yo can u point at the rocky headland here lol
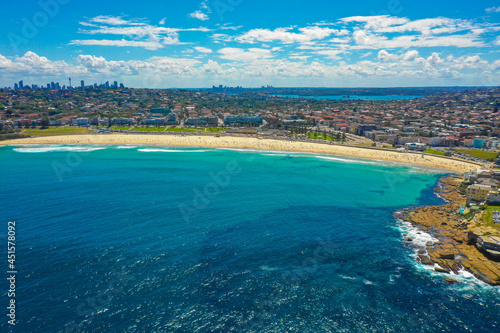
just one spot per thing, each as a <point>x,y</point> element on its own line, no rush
<point>465,242</point>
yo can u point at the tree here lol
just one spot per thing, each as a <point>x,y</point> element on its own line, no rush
<point>45,122</point>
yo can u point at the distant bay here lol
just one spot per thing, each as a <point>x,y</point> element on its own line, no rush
<point>356,97</point>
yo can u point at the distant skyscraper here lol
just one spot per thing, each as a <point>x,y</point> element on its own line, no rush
<point>115,84</point>
<point>48,85</point>
<point>52,86</point>
<point>106,84</point>
<point>21,84</point>
<point>121,85</point>
<point>16,86</point>
<point>82,84</point>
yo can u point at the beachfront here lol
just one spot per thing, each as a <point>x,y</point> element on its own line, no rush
<point>427,160</point>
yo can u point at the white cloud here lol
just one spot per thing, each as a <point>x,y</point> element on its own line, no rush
<point>285,36</point>
<point>162,21</point>
<point>120,43</point>
<point>199,15</point>
<point>367,54</point>
<point>434,60</point>
<point>213,67</point>
<point>141,34</point>
<point>237,54</point>
<point>385,56</point>
<point>332,54</point>
<point>113,20</point>
<point>493,10</point>
<point>202,49</point>
<point>410,55</point>
<point>376,22</point>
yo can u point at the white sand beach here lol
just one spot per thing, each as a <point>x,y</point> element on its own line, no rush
<point>416,158</point>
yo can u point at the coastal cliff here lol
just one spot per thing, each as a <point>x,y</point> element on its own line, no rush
<point>465,242</point>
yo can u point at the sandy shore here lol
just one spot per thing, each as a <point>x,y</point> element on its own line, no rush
<point>427,160</point>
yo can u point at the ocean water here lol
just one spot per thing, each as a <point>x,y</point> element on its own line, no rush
<point>164,239</point>
<point>357,97</point>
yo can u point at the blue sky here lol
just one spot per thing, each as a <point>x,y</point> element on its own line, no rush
<point>322,43</point>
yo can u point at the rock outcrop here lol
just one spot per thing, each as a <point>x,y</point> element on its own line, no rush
<point>463,243</point>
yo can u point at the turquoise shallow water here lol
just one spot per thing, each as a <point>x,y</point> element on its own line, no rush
<point>162,239</point>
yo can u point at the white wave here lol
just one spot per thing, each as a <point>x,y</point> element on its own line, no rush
<point>152,150</point>
<point>420,239</point>
<point>125,147</point>
<point>346,160</point>
<point>242,149</point>
<point>278,155</point>
<point>57,149</point>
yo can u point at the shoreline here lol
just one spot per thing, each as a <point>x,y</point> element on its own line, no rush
<point>412,158</point>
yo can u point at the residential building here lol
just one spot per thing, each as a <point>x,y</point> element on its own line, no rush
<point>477,193</point>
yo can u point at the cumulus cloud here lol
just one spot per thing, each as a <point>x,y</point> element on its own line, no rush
<point>199,15</point>
<point>202,49</point>
<point>212,67</point>
<point>410,55</point>
<point>385,56</point>
<point>493,10</point>
<point>237,54</point>
<point>248,65</point>
<point>202,14</point>
<point>435,60</point>
<point>286,36</point>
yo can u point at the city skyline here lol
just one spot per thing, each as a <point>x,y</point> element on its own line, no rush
<point>199,44</point>
<point>57,86</point>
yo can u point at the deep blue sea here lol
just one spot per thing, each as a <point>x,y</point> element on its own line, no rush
<point>163,239</point>
<point>357,97</point>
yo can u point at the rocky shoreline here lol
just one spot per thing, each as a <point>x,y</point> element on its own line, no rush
<point>464,242</point>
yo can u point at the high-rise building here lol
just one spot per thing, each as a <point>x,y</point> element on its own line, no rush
<point>21,84</point>
<point>106,84</point>
<point>115,84</point>
<point>48,85</point>
<point>121,85</point>
<point>16,86</point>
<point>82,84</point>
<point>52,85</point>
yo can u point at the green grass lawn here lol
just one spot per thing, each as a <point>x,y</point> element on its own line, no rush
<point>435,152</point>
<point>215,130</point>
<point>321,136</point>
<point>488,216</point>
<point>148,129</point>
<point>484,155</point>
<point>56,131</point>
<point>123,128</point>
